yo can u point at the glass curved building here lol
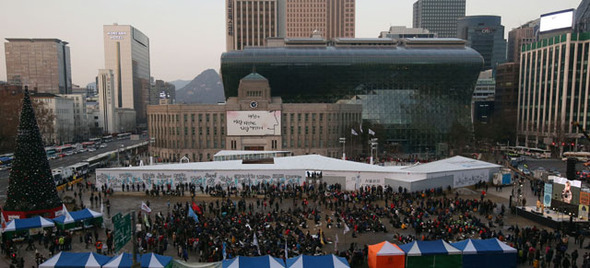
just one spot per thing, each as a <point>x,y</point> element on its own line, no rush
<point>416,89</point>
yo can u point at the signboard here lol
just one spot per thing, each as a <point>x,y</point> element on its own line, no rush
<point>565,190</point>
<point>584,198</point>
<point>122,230</point>
<point>583,212</point>
<point>557,20</point>
<point>253,123</point>
<point>547,195</point>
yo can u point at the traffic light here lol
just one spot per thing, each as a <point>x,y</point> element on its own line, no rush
<point>553,144</point>
<point>563,144</point>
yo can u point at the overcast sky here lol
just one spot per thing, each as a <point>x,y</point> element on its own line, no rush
<point>188,36</point>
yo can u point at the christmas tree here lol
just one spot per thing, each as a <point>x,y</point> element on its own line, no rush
<point>30,186</point>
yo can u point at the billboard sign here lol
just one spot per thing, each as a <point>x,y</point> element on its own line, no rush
<point>253,123</point>
<point>557,20</point>
<point>547,195</point>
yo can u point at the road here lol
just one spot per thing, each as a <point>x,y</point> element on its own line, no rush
<point>69,160</point>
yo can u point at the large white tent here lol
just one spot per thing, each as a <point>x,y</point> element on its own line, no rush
<point>455,172</point>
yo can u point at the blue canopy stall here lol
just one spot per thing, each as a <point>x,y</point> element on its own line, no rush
<point>253,262</point>
<point>486,253</point>
<point>76,260</point>
<point>436,253</point>
<point>75,219</point>
<point>325,261</point>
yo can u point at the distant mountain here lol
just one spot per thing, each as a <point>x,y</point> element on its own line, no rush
<point>178,84</point>
<point>206,88</point>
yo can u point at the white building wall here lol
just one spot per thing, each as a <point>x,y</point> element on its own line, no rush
<point>107,119</point>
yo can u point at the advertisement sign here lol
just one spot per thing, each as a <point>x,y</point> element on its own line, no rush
<point>547,195</point>
<point>584,198</point>
<point>253,123</point>
<point>583,212</point>
<point>557,20</point>
<point>566,191</point>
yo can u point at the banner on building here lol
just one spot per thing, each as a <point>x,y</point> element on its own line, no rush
<point>583,212</point>
<point>584,198</point>
<point>547,195</point>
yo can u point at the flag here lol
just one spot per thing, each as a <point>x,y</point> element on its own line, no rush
<point>146,221</point>
<point>361,126</point>
<point>255,243</point>
<point>346,229</point>
<point>286,250</point>
<point>3,220</point>
<point>224,252</point>
<point>336,243</point>
<point>322,237</point>
<point>145,207</point>
<point>353,132</point>
<point>371,132</point>
<point>191,213</point>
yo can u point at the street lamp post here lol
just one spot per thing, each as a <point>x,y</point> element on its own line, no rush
<point>343,141</point>
<point>374,144</point>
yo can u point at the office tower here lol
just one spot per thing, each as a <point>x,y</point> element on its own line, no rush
<point>553,91</point>
<point>485,34</point>
<point>525,34</point>
<point>506,100</point>
<point>582,18</point>
<point>398,32</point>
<point>42,64</point>
<point>439,16</point>
<point>331,18</point>
<point>106,100</point>
<point>162,90</point>
<point>127,54</point>
<point>250,22</point>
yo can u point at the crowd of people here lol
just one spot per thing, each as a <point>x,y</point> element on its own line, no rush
<point>289,220</point>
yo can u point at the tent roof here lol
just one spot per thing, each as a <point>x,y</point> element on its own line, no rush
<point>152,260</point>
<point>493,245</point>
<point>64,219</point>
<point>419,248</point>
<point>324,261</point>
<point>72,259</point>
<point>301,162</point>
<point>124,260</point>
<point>253,262</point>
<point>450,164</point>
<point>387,249</point>
<point>29,223</point>
<point>85,214</point>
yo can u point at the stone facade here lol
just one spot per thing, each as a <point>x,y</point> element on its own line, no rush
<point>251,121</point>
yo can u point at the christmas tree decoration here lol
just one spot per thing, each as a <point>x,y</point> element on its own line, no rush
<point>31,189</point>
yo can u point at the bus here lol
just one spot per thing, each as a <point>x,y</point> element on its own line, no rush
<point>6,161</point>
<point>51,152</point>
<point>88,144</point>
<point>124,136</point>
<point>80,169</point>
<point>66,150</point>
<point>580,156</point>
<point>539,153</point>
<point>107,138</point>
<point>95,140</point>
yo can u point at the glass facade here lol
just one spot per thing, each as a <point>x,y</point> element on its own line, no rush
<point>486,35</point>
<point>416,94</point>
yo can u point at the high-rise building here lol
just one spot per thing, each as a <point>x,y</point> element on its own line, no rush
<point>439,16</point>
<point>331,18</point>
<point>43,64</point>
<point>525,34</point>
<point>106,100</point>
<point>398,32</point>
<point>485,34</point>
<point>506,99</point>
<point>127,54</point>
<point>162,90</point>
<point>250,22</point>
<point>553,90</point>
<point>582,18</point>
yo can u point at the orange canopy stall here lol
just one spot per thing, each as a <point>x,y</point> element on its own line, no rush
<point>386,255</point>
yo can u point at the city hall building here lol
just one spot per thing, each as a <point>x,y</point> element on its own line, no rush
<point>254,120</point>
